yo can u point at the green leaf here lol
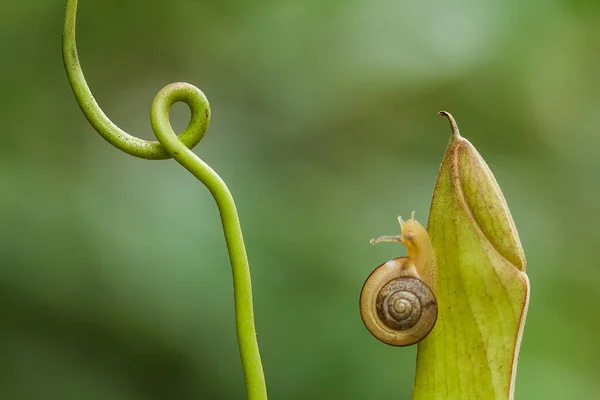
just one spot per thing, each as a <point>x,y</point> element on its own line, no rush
<point>482,289</point>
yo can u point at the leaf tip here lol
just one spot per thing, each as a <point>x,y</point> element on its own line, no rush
<point>452,121</point>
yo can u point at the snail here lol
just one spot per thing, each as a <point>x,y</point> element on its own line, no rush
<point>397,302</point>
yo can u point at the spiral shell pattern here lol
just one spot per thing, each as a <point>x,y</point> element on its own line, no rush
<point>396,307</point>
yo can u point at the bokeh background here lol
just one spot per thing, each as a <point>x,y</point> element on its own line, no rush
<point>114,277</point>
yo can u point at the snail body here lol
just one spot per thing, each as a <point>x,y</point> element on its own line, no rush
<point>397,302</point>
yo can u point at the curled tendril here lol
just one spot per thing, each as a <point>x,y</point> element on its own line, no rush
<point>151,150</point>
<point>179,147</point>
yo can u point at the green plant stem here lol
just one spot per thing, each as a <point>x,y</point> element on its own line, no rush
<point>159,116</point>
<point>151,150</point>
<point>179,147</point>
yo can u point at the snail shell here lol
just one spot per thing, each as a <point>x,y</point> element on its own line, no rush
<point>396,305</point>
<point>397,308</point>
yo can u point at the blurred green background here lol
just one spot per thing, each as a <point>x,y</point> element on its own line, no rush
<point>114,277</point>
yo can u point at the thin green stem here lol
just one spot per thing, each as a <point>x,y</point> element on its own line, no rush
<point>151,150</point>
<point>179,147</point>
<point>244,314</point>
